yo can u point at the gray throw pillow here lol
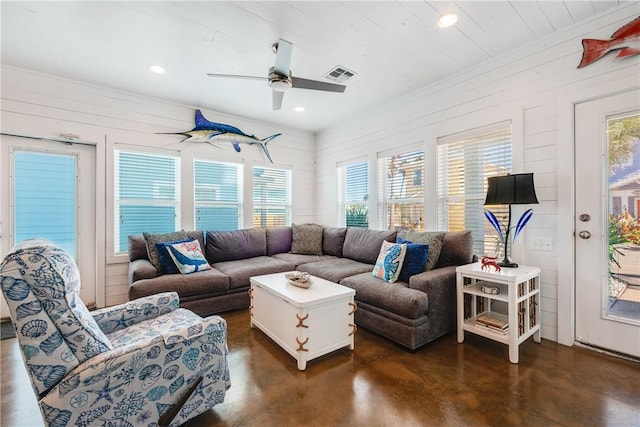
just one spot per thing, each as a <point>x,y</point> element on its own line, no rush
<point>152,250</point>
<point>432,238</point>
<point>333,240</point>
<point>278,239</point>
<point>307,239</point>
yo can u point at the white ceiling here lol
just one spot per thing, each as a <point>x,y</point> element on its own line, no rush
<point>393,46</point>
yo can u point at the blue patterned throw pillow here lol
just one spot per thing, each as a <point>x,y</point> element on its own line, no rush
<point>415,259</point>
<point>188,257</point>
<point>389,262</point>
<point>167,263</point>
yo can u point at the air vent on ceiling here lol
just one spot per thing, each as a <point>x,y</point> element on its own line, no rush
<point>339,74</point>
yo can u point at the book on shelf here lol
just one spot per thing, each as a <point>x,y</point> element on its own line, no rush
<point>493,329</point>
<point>492,321</point>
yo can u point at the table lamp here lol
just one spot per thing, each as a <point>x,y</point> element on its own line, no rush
<point>512,189</point>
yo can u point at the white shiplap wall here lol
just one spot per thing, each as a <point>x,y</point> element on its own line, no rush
<point>528,87</point>
<point>43,105</point>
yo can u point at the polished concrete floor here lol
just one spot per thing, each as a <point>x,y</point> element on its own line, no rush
<point>379,384</point>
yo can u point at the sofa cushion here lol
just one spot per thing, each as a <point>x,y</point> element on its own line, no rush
<point>415,259</point>
<point>432,238</point>
<point>188,257</point>
<point>138,245</point>
<point>457,249</point>
<point>389,262</point>
<point>333,240</point>
<point>394,297</point>
<point>137,248</point>
<point>240,271</point>
<point>307,239</point>
<point>201,283</point>
<point>235,245</point>
<point>152,239</point>
<point>297,259</point>
<point>168,264</point>
<point>335,270</point>
<point>363,244</point>
<point>278,239</point>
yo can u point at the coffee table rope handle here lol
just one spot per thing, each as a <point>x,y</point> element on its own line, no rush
<point>355,307</point>
<point>301,321</point>
<point>301,344</point>
<point>353,331</point>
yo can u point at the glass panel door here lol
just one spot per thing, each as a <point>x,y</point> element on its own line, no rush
<point>623,139</point>
<point>607,189</point>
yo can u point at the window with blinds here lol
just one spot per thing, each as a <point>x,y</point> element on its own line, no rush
<point>147,196</point>
<point>271,196</point>
<point>465,161</point>
<point>354,179</point>
<point>217,195</point>
<point>401,190</point>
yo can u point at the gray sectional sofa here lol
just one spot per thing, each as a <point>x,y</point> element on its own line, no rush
<point>411,312</point>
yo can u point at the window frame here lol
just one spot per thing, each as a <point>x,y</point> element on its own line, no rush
<point>240,193</point>
<point>176,203</point>
<point>287,205</point>
<point>484,237</point>
<point>343,203</point>
<point>416,199</point>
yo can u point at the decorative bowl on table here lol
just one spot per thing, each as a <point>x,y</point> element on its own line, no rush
<point>299,279</point>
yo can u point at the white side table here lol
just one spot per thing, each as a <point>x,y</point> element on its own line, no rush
<point>518,287</point>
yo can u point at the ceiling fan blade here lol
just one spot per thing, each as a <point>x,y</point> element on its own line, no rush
<point>283,58</point>
<point>300,83</point>
<point>235,76</point>
<point>277,99</point>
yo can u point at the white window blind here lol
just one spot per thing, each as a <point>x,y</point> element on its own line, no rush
<point>355,188</point>
<point>217,195</point>
<point>271,196</point>
<point>401,190</point>
<point>147,196</point>
<point>45,197</point>
<point>465,161</point>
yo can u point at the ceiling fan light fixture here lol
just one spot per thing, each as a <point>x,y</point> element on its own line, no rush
<point>447,20</point>
<point>280,85</point>
<point>279,82</point>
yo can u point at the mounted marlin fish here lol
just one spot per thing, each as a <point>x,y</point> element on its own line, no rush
<point>212,133</point>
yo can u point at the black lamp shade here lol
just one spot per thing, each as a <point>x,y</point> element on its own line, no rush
<point>515,189</point>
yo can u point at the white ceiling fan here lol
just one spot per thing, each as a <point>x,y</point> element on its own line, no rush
<point>280,79</point>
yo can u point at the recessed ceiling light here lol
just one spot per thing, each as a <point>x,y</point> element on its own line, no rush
<point>157,69</point>
<point>447,20</point>
<point>299,109</point>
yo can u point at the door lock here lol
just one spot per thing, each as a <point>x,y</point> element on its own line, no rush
<point>585,217</point>
<point>584,234</point>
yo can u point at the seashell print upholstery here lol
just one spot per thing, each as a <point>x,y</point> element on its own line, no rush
<point>41,285</point>
<point>142,363</point>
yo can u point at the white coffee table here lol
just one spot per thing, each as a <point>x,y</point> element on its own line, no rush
<point>307,323</point>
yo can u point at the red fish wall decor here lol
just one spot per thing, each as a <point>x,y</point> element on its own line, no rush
<point>626,41</point>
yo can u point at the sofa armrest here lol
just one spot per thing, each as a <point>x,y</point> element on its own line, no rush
<point>431,280</point>
<point>120,316</point>
<point>440,286</point>
<point>141,269</point>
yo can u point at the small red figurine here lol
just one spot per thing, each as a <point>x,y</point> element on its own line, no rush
<point>488,261</point>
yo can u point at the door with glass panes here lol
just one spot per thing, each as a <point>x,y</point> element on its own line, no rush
<point>607,225</point>
<point>48,191</point>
